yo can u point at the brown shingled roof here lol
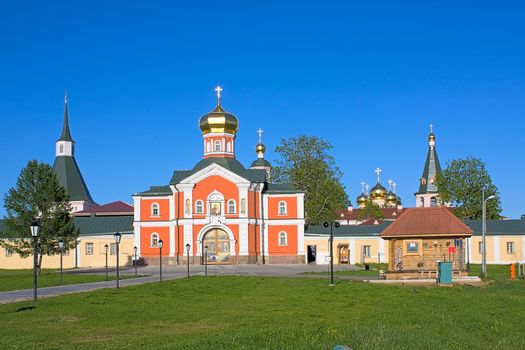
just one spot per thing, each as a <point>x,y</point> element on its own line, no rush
<point>427,222</point>
<point>113,208</point>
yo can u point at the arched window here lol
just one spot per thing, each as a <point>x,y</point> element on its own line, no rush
<point>283,239</point>
<point>228,147</point>
<point>282,208</point>
<point>231,206</point>
<point>199,207</point>
<point>61,149</point>
<point>154,240</point>
<point>433,201</point>
<point>217,146</point>
<point>154,209</point>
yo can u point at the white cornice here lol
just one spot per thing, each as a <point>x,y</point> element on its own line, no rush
<point>211,170</point>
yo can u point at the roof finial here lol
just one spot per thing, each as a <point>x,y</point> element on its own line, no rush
<point>65,97</point>
<point>367,187</point>
<point>363,186</point>
<point>260,132</point>
<point>431,127</point>
<point>378,172</point>
<point>390,182</point>
<point>394,185</point>
<point>218,89</point>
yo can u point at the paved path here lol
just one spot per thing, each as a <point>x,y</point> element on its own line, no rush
<point>169,273</point>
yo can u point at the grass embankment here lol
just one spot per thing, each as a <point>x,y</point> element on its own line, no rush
<point>23,279</point>
<point>278,313</point>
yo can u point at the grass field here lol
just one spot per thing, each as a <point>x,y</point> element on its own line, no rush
<point>277,313</point>
<point>23,279</point>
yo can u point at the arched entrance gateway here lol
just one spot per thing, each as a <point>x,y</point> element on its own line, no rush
<point>219,246</point>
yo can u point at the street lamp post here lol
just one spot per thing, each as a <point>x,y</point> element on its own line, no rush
<point>484,230</point>
<point>106,248</point>
<point>160,244</point>
<point>61,246</point>
<point>188,258</point>
<point>117,237</point>
<point>135,260</point>
<point>327,224</point>
<point>34,233</point>
<point>206,261</point>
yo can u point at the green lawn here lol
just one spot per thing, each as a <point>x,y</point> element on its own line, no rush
<point>230,312</point>
<point>23,279</point>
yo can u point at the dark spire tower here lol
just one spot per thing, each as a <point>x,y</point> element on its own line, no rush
<point>67,169</point>
<point>428,193</point>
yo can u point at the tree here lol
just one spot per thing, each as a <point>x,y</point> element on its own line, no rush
<point>461,183</point>
<point>370,211</point>
<point>38,195</point>
<point>306,164</point>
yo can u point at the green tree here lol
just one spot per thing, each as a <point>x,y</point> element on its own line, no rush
<point>306,164</point>
<point>38,195</point>
<point>461,183</point>
<point>370,211</point>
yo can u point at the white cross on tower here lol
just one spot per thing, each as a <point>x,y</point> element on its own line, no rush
<point>260,131</point>
<point>218,89</point>
<point>363,186</point>
<point>378,172</point>
<point>367,187</point>
<point>390,182</point>
<point>431,127</point>
<point>394,185</point>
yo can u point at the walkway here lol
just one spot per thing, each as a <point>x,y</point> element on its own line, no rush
<point>169,273</point>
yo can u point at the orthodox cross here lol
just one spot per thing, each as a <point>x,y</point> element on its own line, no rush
<point>394,185</point>
<point>378,172</point>
<point>260,131</point>
<point>367,187</point>
<point>390,182</point>
<point>363,186</point>
<point>431,127</point>
<point>218,89</point>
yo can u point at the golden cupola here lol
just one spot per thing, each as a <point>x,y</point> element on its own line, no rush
<point>361,200</point>
<point>391,199</point>
<point>378,192</point>
<point>219,120</point>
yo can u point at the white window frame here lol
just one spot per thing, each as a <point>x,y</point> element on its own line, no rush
<point>480,247</point>
<point>230,202</point>
<point>367,250</point>
<point>91,249</point>
<point>153,207</point>
<point>113,249</point>
<point>512,247</point>
<point>61,149</point>
<point>217,146</point>
<point>154,240</point>
<point>283,208</point>
<point>281,235</point>
<point>199,207</point>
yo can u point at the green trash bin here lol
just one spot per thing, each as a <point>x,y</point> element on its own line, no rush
<point>444,272</point>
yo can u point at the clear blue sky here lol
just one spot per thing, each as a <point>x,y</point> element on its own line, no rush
<point>369,77</point>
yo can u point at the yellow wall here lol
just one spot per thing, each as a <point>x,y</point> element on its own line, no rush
<point>96,260</point>
<point>354,243</point>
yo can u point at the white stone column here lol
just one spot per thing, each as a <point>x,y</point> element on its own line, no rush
<point>243,237</point>
<point>352,251</point>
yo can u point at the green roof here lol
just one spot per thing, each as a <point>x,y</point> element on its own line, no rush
<point>498,227</point>
<point>98,225</point>
<point>431,169</point>
<point>261,162</point>
<point>71,178</point>
<point>66,134</point>
<point>156,191</point>
<point>233,165</point>
<point>347,230</point>
<point>280,188</point>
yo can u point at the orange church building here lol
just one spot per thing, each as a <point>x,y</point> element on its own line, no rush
<point>236,212</point>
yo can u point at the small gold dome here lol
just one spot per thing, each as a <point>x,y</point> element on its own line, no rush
<point>260,148</point>
<point>378,192</point>
<point>391,198</point>
<point>362,199</point>
<point>220,121</point>
<point>431,137</point>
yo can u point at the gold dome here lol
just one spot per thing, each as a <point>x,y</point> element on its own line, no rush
<point>391,198</point>
<point>220,121</point>
<point>260,148</point>
<point>362,199</point>
<point>431,137</point>
<point>378,192</point>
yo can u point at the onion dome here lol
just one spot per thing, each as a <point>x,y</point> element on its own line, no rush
<point>431,137</point>
<point>260,148</point>
<point>362,199</point>
<point>219,121</point>
<point>391,198</point>
<point>378,192</point>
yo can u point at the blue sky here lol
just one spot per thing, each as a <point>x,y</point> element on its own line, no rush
<point>367,76</point>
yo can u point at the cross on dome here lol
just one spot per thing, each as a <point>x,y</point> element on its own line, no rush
<point>218,89</point>
<point>431,128</point>
<point>378,172</point>
<point>367,187</point>
<point>390,182</point>
<point>394,185</point>
<point>260,132</point>
<point>363,186</point>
